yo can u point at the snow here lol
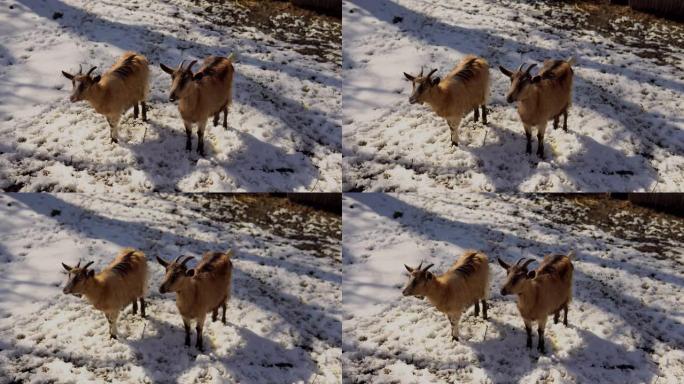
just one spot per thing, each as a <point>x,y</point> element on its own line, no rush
<point>624,325</point>
<point>284,319</point>
<point>283,128</point>
<point>625,131</point>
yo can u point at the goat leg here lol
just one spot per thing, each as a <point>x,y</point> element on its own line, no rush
<point>555,122</point>
<point>188,135</point>
<point>528,136</point>
<point>484,114</point>
<point>214,314</point>
<point>477,309</point>
<point>484,309</point>
<point>186,324</point>
<point>565,119</point>
<point>199,343</point>
<point>476,111</point>
<point>135,306</point>
<point>144,110</point>
<point>216,118</point>
<point>528,329</point>
<point>224,313</point>
<point>565,317</point>
<point>200,137</point>
<point>556,316</point>
<point>225,116</point>
<point>540,343</point>
<point>136,112</point>
<point>142,307</point>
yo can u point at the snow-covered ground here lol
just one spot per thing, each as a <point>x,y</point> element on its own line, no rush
<point>625,323</point>
<point>626,131</point>
<point>283,128</point>
<point>284,320</point>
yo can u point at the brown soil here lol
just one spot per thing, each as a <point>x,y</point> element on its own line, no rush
<point>314,230</point>
<point>655,37</point>
<point>313,33</point>
<point>655,231</point>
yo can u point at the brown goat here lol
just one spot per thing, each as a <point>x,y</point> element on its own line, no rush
<point>203,94</point>
<point>464,284</point>
<point>200,290</point>
<point>542,97</point>
<point>125,85</point>
<point>541,292</point>
<point>122,282</point>
<point>465,88</point>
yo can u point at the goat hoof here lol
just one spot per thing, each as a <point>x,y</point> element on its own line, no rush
<point>454,144</point>
<point>454,338</point>
<point>113,337</point>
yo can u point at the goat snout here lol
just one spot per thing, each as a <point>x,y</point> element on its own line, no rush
<point>413,100</point>
<point>509,99</point>
<point>73,98</point>
<point>163,289</point>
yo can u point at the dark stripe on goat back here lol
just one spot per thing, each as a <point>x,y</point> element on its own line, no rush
<point>126,68</point>
<point>210,67</point>
<point>548,71</point>
<point>209,260</point>
<point>548,265</point>
<point>468,267</point>
<point>125,266</point>
<point>467,72</point>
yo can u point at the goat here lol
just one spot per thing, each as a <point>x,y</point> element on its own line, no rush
<point>200,95</point>
<point>464,284</point>
<point>199,290</point>
<point>122,282</point>
<point>114,92</point>
<point>465,88</point>
<point>543,291</point>
<point>542,97</point>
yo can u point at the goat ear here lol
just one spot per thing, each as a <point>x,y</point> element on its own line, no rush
<point>531,274</point>
<point>166,69</point>
<point>503,264</point>
<point>68,75</point>
<point>97,79</point>
<point>162,262</point>
<point>505,71</point>
<point>91,273</point>
<point>408,268</point>
<point>68,268</point>
<point>409,77</point>
<point>436,80</point>
<point>429,276</point>
<point>190,272</point>
<point>198,76</point>
<point>536,79</point>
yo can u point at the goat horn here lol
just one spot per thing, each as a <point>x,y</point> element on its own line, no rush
<point>521,259</point>
<point>87,265</point>
<point>527,71</point>
<point>186,260</point>
<point>526,263</point>
<point>428,267</point>
<point>191,64</point>
<point>431,72</point>
<point>421,71</point>
<point>420,265</point>
<point>78,265</point>
<point>520,67</point>
<point>90,71</point>
<point>178,258</point>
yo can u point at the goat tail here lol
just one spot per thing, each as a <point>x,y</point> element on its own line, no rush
<point>231,56</point>
<point>571,61</point>
<point>571,254</point>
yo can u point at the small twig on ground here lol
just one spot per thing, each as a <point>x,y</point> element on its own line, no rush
<point>656,184</point>
<point>485,332</point>
<point>485,136</point>
<point>315,378</point>
<point>144,134</point>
